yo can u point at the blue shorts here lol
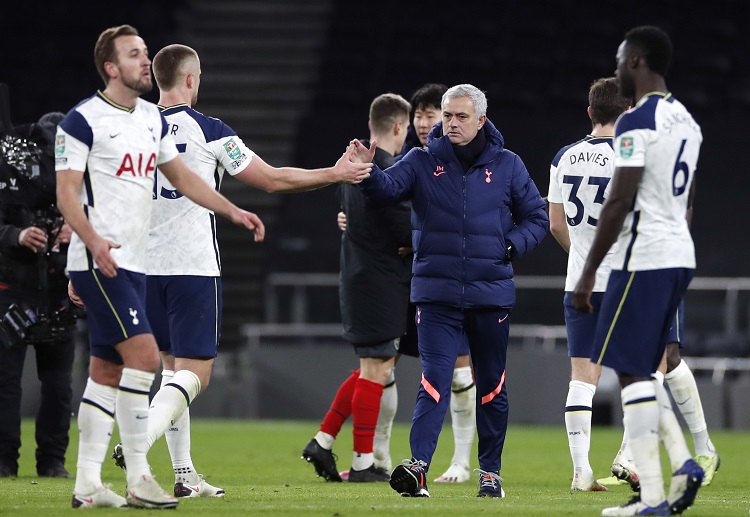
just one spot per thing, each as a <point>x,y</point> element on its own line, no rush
<point>116,309</point>
<point>635,316</point>
<point>677,330</point>
<point>185,313</point>
<point>581,326</point>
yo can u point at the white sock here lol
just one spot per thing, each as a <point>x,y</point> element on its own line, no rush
<point>578,424</point>
<point>178,443</point>
<point>463,406</point>
<point>670,431</point>
<point>388,407</point>
<point>641,419</point>
<point>170,402</point>
<point>362,460</point>
<point>624,454</point>
<point>325,440</point>
<point>96,419</point>
<point>132,419</point>
<point>685,393</point>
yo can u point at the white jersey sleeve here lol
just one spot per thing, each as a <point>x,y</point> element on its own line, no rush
<point>182,234</point>
<point>661,136</point>
<point>117,149</point>
<point>579,179</point>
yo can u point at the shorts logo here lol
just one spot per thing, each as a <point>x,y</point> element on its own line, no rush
<point>233,150</point>
<point>626,147</point>
<point>59,145</point>
<point>134,314</point>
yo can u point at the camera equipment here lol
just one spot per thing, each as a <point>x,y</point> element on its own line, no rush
<point>34,327</point>
<point>28,198</point>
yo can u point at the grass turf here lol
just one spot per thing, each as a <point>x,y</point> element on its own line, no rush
<point>259,465</point>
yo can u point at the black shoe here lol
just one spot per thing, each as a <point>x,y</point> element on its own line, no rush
<point>56,471</point>
<point>371,474</point>
<point>489,484</point>
<point>7,472</point>
<point>322,459</point>
<point>410,479</point>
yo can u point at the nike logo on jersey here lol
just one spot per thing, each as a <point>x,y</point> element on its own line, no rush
<point>115,135</point>
<point>141,417</point>
<point>439,170</point>
<point>503,319</point>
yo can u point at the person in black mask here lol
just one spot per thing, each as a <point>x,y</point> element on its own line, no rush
<point>34,304</point>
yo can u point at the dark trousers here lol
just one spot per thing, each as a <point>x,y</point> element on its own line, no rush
<point>441,332</point>
<point>54,371</point>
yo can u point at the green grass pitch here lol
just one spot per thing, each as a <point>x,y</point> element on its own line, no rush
<point>259,465</point>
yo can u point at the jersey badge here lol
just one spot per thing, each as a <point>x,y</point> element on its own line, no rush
<point>60,145</point>
<point>626,147</point>
<point>233,150</point>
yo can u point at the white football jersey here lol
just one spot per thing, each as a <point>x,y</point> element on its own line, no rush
<point>579,179</point>
<point>660,135</point>
<point>182,236</point>
<point>118,150</point>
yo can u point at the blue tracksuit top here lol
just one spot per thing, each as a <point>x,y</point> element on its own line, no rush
<point>461,222</point>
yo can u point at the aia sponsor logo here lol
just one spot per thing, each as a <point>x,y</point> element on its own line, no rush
<point>138,166</point>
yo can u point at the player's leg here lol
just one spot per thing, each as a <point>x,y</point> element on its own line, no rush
<point>684,391</point>
<point>96,420</point>
<point>318,450</point>
<point>631,338</point>
<point>376,366</point>
<point>124,357</point>
<point>463,419</point>
<point>382,441</point>
<point>581,389</point>
<point>188,311</point>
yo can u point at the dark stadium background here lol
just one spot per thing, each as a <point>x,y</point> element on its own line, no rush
<point>535,59</point>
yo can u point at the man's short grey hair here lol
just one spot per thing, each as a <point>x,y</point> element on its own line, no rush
<point>477,96</point>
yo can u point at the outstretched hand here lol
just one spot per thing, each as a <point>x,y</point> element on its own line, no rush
<point>250,221</point>
<point>360,153</point>
<point>351,170</point>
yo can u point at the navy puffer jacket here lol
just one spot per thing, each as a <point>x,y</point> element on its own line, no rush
<point>462,223</point>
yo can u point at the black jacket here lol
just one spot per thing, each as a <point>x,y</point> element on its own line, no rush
<point>27,197</point>
<point>374,282</point>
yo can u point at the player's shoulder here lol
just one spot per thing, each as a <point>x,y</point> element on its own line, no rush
<point>642,115</point>
<point>580,145</point>
<point>212,128</point>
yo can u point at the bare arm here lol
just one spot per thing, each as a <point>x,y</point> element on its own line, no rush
<point>291,179</point>
<point>624,185</point>
<point>190,184</point>
<point>68,186</point>
<point>558,225</point>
